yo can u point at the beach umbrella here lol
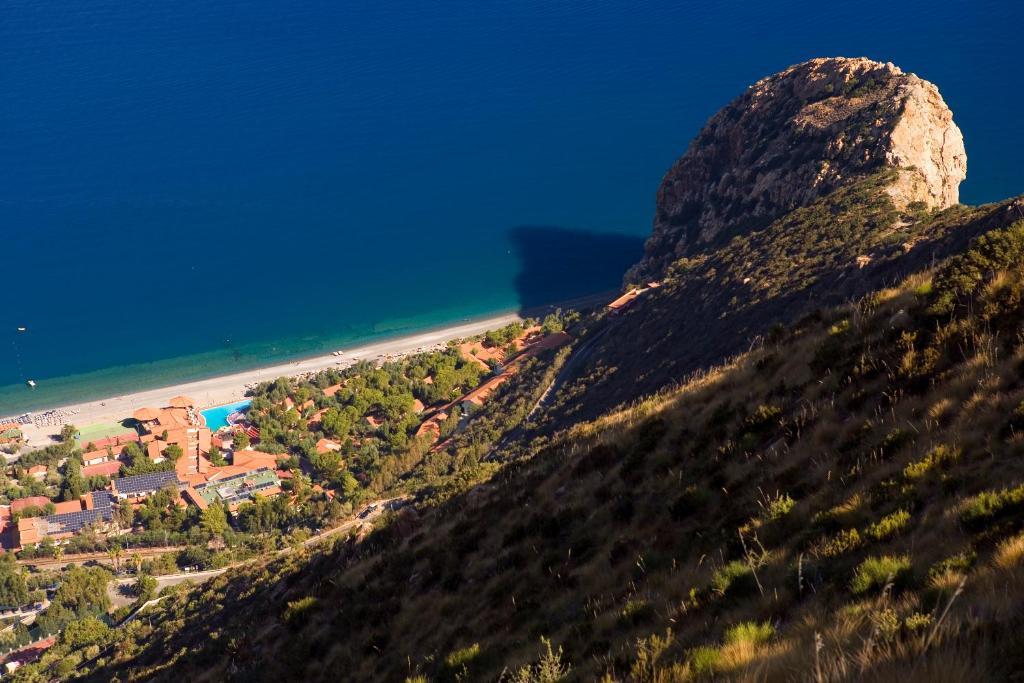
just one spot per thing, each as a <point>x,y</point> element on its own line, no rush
<point>181,402</point>
<point>146,414</point>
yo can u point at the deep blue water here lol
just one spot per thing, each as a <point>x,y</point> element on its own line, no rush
<point>192,187</point>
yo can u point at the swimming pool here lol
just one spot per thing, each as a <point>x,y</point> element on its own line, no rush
<point>218,417</point>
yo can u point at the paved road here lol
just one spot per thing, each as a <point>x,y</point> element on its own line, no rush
<point>22,613</point>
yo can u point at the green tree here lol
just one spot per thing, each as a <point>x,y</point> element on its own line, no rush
<point>216,457</point>
<point>173,452</point>
<point>145,588</point>
<point>348,484</point>
<point>83,591</point>
<point>68,433</point>
<point>13,587</point>
<point>84,632</point>
<point>215,520</point>
<point>74,485</point>
<point>553,323</point>
<point>241,441</point>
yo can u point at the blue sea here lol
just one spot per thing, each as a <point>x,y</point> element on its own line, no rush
<point>195,187</point>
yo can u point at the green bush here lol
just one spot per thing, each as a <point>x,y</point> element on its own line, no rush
<point>988,506</point>
<point>735,577</point>
<point>960,563</point>
<point>888,526</point>
<point>298,609</point>
<point>704,660</point>
<point>749,632</point>
<point>763,418</point>
<point>636,610</point>
<point>876,572</point>
<point>777,507</point>
<point>939,457</point>
<point>964,274</point>
<point>843,542</point>
<point>461,658</point>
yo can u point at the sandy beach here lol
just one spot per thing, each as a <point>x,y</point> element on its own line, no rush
<point>224,389</point>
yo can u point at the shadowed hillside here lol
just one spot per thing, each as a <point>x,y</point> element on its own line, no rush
<point>842,503</point>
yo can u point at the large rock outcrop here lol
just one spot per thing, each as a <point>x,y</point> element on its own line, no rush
<point>796,136</point>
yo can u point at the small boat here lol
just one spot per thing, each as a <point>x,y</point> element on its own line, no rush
<point>21,329</point>
<point>31,383</point>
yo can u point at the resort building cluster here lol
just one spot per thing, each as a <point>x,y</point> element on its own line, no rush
<point>169,449</point>
<point>177,432</point>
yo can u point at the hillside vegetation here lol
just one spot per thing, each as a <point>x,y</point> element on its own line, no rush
<point>711,306</point>
<point>843,502</point>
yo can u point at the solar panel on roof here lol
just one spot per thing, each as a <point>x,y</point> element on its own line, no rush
<point>140,483</point>
<point>76,521</point>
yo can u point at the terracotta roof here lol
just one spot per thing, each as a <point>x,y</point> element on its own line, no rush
<point>316,417</point>
<point>326,445</point>
<point>146,414</point>
<point>624,300</point>
<point>20,504</point>
<point>193,495</point>
<point>31,530</point>
<point>219,473</point>
<point>169,418</point>
<point>433,424</point>
<point>333,389</point>
<point>417,406</point>
<point>254,459</point>
<point>38,469</point>
<point>181,402</point>
<point>484,391</point>
<point>103,469</point>
<point>205,440</point>
<point>374,421</point>
<point>68,506</point>
<point>113,441</point>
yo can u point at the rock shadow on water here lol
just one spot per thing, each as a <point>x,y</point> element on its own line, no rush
<point>559,264</point>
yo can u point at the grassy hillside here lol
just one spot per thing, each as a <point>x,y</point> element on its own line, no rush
<point>713,306</point>
<point>843,502</point>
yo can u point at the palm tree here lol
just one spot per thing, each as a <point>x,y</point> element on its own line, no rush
<point>58,553</point>
<point>114,552</point>
<point>137,563</point>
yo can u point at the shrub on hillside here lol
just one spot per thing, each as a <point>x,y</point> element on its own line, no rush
<point>988,506</point>
<point>876,572</point>
<point>704,660</point>
<point>939,457</point>
<point>776,507</point>
<point>888,526</point>
<point>734,578</point>
<point>750,632</point>
<point>960,563</point>
<point>843,542</point>
<point>962,275</point>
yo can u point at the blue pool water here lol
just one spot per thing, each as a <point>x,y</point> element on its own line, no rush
<point>218,417</point>
<point>198,187</point>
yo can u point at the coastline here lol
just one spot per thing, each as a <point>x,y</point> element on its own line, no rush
<point>228,388</point>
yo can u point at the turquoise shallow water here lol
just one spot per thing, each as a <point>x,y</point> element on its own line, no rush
<point>201,187</point>
<point>218,417</point>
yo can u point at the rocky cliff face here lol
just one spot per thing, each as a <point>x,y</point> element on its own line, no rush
<point>797,136</point>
